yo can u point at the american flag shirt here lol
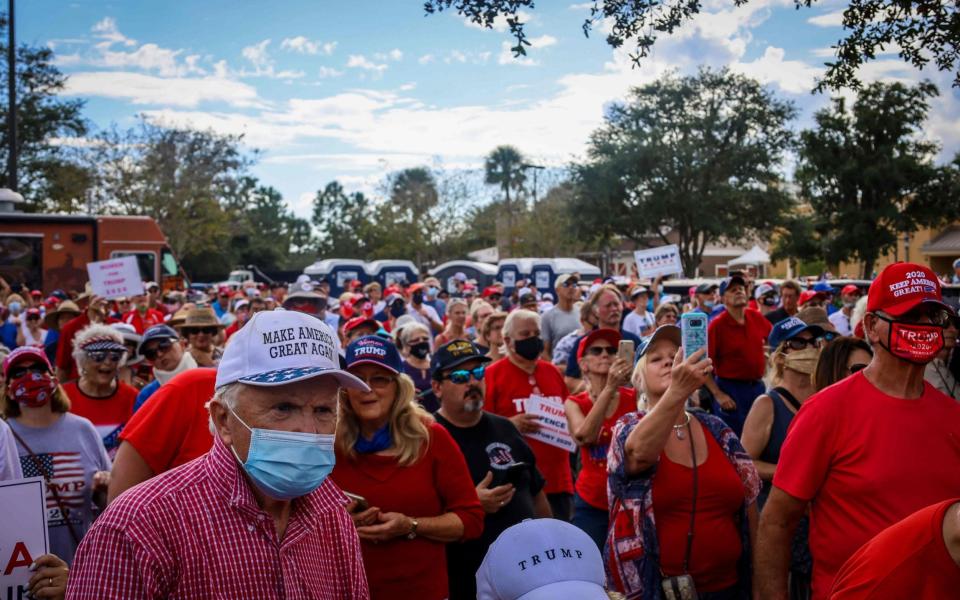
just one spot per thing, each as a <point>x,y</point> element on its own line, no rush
<point>69,452</point>
<point>196,532</point>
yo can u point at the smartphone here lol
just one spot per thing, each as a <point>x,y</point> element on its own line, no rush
<point>515,473</point>
<point>693,332</point>
<point>626,351</point>
<point>362,503</point>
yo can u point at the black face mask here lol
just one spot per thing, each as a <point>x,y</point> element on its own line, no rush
<point>420,350</point>
<point>529,348</point>
<point>397,310</point>
<point>770,301</point>
<point>417,297</point>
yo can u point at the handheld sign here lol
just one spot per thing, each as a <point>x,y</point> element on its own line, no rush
<point>657,262</point>
<point>23,533</point>
<point>553,422</point>
<point>115,277</point>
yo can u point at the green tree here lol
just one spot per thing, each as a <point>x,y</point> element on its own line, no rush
<point>265,232</point>
<point>697,156</point>
<point>48,176</point>
<point>344,222</point>
<point>179,177</point>
<point>503,167</point>
<point>922,30</point>
<point>869,175</point>
<point>549,230</point>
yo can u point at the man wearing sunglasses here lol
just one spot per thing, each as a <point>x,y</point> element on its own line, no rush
<point>562,318</point>
<point>871,449</point>
<point>162,348</point>
<point>501,464</point>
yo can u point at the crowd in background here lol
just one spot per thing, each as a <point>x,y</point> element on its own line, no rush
<point>689,470</point>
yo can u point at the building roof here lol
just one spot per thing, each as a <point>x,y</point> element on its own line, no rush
<point>947,243</point>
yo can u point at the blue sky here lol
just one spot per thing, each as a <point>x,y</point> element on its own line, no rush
<point>353,90</point>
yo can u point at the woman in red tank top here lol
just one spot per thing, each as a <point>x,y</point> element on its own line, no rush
<point>591,415</point>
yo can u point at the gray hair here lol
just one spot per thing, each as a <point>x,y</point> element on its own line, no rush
<point>225,395</point>
<point>408,330</point>
<point>518,315</point>
<point>90,332</point>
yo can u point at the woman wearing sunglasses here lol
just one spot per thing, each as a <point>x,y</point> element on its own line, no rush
<point>99,395</point>
<point>793,360</point>
<point>591,415</point>
<point>412,492</point>
<point>839,359</point>
<point>61,447</point>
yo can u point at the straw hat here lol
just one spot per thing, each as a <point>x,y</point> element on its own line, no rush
<point>52,319</point>
<point>178,318</point>
<point>200,317</point>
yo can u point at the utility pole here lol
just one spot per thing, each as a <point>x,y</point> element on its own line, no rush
<point>12,97</point>
<point>526,166</point>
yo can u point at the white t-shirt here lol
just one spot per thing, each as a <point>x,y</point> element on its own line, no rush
<point>29,339</point>
<point>422,319</point>
<point>841,322</point>
<point>636,324</point>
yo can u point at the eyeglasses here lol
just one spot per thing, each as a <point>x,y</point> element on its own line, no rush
<point>99,356</point>
<point>199,330</point>
<point>598,350</point>
<point>160,348</point>
<point>570,283</point>
<point>857,367</point>
<point>829,336</point>
<point>937,316</point>
<point>462,376</point>
<point>801,343</point>
<point>378,381</point>
<point>20,371</point>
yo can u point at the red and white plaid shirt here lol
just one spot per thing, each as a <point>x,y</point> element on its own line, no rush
<point>196,532</point>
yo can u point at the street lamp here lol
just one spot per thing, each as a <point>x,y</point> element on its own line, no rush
<point>524,166</point>
<point>12,95</point>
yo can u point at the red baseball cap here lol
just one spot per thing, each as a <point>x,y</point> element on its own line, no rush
<point>25,353</point>
<point>850,289</point>
<point>415,288</point>
<point>901,287</point>
<point>359,322</point>
<point>609,335</point>
<point>490,291</point>
<point>807,295</point>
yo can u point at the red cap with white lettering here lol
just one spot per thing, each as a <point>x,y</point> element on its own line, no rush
<point>901,287</point>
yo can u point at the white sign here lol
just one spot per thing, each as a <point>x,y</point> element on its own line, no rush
<point>509,279</point>
<point>392,277</point>
<point>553,422</point>
<point>344,276</point>
<point>23,533</point>
<point>542,279</point>
<point>656,262</point>
<point>115,277</point>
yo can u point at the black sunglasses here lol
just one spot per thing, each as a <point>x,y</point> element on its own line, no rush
<point>151,353</point>
<point>99,356</point>
<point>198,330</point>
<point>801,343</point>
<point>20,371</point>
<point>598,350</point>
<point>570,283</point>
<point>462,376</point>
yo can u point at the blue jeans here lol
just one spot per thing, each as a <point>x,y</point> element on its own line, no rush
<point>591,519</point>
<point>743,393</point>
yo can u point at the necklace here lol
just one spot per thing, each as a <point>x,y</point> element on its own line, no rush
<point>679,429</point>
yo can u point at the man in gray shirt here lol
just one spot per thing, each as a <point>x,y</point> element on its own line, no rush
<point>562,318</point>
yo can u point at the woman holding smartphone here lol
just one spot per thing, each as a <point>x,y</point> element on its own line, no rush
<point>682,488</point>
<point>412,492</point>
<point>591,415</point>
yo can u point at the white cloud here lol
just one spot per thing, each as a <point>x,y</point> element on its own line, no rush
<point>148,57</point>
<point>326,72</point>
<point>395,55</point>
<point>407,87</point>
<point>359,61</point>
<point>425,59</point>
<point>581,6</point>
<point>263,64</point>
<point>106,30</point>
<point>793,76</point>
<point>542,41</point>
<point>170,91</point>
<point>303,45</point>
<point>506,57</point>
<point>831,19</point>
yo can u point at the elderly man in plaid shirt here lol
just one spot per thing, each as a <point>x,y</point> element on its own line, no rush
<point>256,517</point>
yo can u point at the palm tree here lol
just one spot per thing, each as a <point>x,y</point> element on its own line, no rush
<point>504,167</point>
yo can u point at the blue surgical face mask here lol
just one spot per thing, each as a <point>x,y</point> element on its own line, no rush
<point>709,303</point>
<point>286,464</point>
<point>432,292</point>
<point>15,308</point>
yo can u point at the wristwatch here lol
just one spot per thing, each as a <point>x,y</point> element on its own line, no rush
<point>413,529</point>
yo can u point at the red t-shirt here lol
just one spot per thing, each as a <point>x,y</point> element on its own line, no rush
<point>436,484</point>
<point>143,322</point>
<point>172,428</point>
<point>592,480</point>
<point>737,348</point>
<point>716,544</point>
<point>507,383</point>
<point>907,560</point>
<point>65,344</point>
<point>108,415</point>
<point>867,460</point>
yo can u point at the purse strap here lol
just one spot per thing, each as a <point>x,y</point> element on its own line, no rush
<point>693,508</point>
<point>48,478</point>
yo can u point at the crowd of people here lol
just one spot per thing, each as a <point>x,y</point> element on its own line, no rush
<point>279,441</point>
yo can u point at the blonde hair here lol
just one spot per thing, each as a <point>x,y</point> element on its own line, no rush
<point>496,315</point>
<point>775,368</point>
<point>409,424</point>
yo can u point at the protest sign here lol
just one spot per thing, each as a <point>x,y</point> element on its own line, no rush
<point>23,533</point>
<point>553,422</point>
<point>657,262</point>
<point>115,277</point>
